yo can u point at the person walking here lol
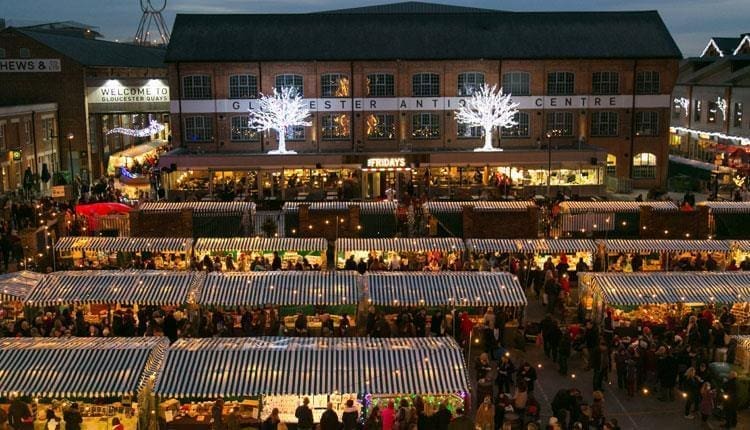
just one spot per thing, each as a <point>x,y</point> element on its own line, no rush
<point>374,421</point>
<point>504,378</point>
<point>486,415</point>
<point>329,420</point>
<point>600,364</point>
<point>527,374</point>
<point>708,399</point>
<point>350,416</point>
<point>563,353</point>
<point>304,415</point>
<point>72,417</point>
<point>388,416</point>
<point>692,387</point>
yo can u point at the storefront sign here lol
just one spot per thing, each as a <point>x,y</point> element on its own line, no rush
<point>16,155</point>
<point>118,95</point>
<point>16,65</point>
<point>385,163</point>
<point>58,191</point>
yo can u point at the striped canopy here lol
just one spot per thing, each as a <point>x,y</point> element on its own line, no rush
<point>727,207</point>
<point>615,206</point>
<point>208,244</point>
<point>199,208</point>
<point>479,206</point>
<point>400,244</point>
<point>143,287</point>
<point>742,245</point>
<point>665,245</point>
<point>124,244</point>
<point>16,286</point>
<point>532,246</point>
<point>289,288</point>
<point>634,289</point>
<point>743,341</point>
<point>382,207</point>
<point>461,289</point>
<point>78,368</point>
<point>311,366</point>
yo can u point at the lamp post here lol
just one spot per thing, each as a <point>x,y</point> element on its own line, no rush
<point>70,137</point>
<point>549,162</point>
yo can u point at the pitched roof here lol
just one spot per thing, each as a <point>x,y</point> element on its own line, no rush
<point>727,44</point>
<point>419,35</point>
<point>411,7</point>
<point>99,53</point>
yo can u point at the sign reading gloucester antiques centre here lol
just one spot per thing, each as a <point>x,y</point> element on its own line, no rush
<point>128,95</point>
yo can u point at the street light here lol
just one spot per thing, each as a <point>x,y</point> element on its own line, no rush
<point>70,137</point>
<point>549,135</point>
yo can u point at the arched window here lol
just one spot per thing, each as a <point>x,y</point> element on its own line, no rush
<point>644,166</point>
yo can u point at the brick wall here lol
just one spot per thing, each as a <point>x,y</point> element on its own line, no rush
<point>500,225</point>
<point>161,225</point>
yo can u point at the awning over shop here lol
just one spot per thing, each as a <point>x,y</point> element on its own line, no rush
<point>667,245</point>
<point>479,206</point>
<point>209,244</point>
<point>280,288</point>
<point>381,207</point>
<point>199,208</point>
<point>16,286</point>
<point>615,206</point>
<point>465,289</point>
<point>532,246</point>
<point>497,245</point>
<point>143,287</point>
<point>208,368</point>
<point>635,289</point>
<point>77,368</point>
<point>727,207</point>
<point>396,244</point>
<point>741,245</point>
<point>141,149</point>
<point>124,244</point>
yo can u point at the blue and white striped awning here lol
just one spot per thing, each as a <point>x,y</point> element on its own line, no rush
<point>478,206</point>
<point>380,208</point>
<point>78,368</point>
<point>633,289</point>
<point>741,245</point>
<point>461,289</point>
<point>616,206</point>
<point>129,287</point>
<point>289,288</point>
<point>497,245</point>
<point>235,368</point>
<point>532,246</point>
<point>400,244</point>
<point>727,207</point>
<point>16,286</point>
<point>199,208</point>
<point>124,244</point>
<point>229,244</point>
<point>665,245</point>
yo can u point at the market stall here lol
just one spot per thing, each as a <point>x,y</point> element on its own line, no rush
<point>244,250</point>
<point>449,214</point>
<point>406,253</point>
<point>740,250</point>
<point>611,218</point>
<point>14,288</point>
<point>317,296</point>
<point>99,252</point>
<point>108,378</point>
<point>657,255</point>
<point>278,372</point>
<point>377,219</point>
<point>728,219</point>
<point>209,218</point>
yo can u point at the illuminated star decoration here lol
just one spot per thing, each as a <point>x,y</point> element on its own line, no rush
<point>721,104</point>
<point>279,111</point>
<point>683,103</point>
<point>153,128</point>
<point>488,108</point>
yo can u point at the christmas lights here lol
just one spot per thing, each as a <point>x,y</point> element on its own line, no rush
<point>722,105</point>
<point>278,112</point>
<point>153,128</point>
<point>683,103</point>
<point>488,108</point>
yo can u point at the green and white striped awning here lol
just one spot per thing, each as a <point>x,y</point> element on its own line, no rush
<point>633,289</point>
<point>532,246</point>
<point>665,245</point>
<point>616,206</point>
<point>461,289</point>
<point>78,368</point>
<point>244,367</point>
<point>288,288</point>
<point>727,207</point>
<point>229,244</point>
<point>16,286</point>
<point>397,244</point>
<point>199,208</point>
<point>381,208</point>
<point>478,206</point>
<point>128,287</point>
<point>124,244</point>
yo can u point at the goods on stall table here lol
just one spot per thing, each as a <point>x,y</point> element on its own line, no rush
<point>287,405</point>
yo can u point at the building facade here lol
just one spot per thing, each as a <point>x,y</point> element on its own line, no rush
<point>383,85</point>
<point>710,132</point>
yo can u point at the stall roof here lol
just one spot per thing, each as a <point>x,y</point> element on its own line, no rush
<point>141,149</point>
<point>78,367</point>
<point>479,206</point>
<point>381,207</point>
<point>742,245</point>
<point>200,208</point>
<point>727,207</point>
<point>743,341</point>
<point>16,286</point>
<point>634,289</point>
<point>532,246</point>
<point>665,245</point>
<point>463,289</point>
<point>124,244</point>
<point>288,288</point>
<point>128,287</point>
<point>396,244</point>
<point>616,206</point>
<point>311,366</point>
<point>207,244</point>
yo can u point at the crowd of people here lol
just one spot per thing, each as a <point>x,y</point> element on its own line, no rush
<point>248,263</point>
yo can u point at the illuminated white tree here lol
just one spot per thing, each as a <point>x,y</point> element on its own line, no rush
<point>280,111</point>
<point>488,108</point>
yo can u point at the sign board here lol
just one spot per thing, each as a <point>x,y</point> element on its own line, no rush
<point>59,191</point>
<point>16,155</point>
<point>27,65</point>
<point>386,163</point>
<point>128,95</point>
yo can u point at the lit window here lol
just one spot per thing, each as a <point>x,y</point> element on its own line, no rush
<point>737,114</point>
<point>381,126</point>
<point>243,87</point>
<point>380,85</point>
<point>465,131</point>
<point>296,132</point>
<point>697,111</point>
<point>644,166</point>
<point>604,124</point>
<point>425,126</point>
<point>196,87</point>
<point>711,112</point>
<point>469,82</point>
<point>426,85</point>
<point>521,129</point>
<point>560,121</point>
<point>289,80</point>
<point>611,165</point>
<point>334,85</point>
<point>560,83</point>
<point>241,131</point>
<point>335,126</point>
<point>647,123</point>
<point>517,83</point>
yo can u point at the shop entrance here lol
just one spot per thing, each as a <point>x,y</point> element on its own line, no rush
<point>377,183</point>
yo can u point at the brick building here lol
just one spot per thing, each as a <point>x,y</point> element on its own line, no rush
<point>96,85</point>
<point>383,83</point>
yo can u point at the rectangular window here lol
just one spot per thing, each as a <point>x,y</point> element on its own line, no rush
<point>521,129</point>
<point>676,109</point>
<point>199,129</point>
<point>560,83</point>
<point>289,80</point>
<point>380,85</point>
<point>48,128</point>
<point>604,124</point>
<point>647,82</point>
<point>737,115</point>
<point>425,126</point>
<point>243,87</point>
<point>381,126</point>
<point>2,137</point>
<point>647,123</point>
<point>196,87</point>
<point>241,131</point>
<point>425,85</point>
<point>697,111</point>
<point>464,131</point>
<point>469,82</point>
<point>334,85</point>
<point>296,132</point>
<point>517,83</point>
<point>27,132</point>
<point>605,83</point>
<point>711,113</point>
<point>644,166</point>
<point>560,121</point>
<point>335,126</point>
